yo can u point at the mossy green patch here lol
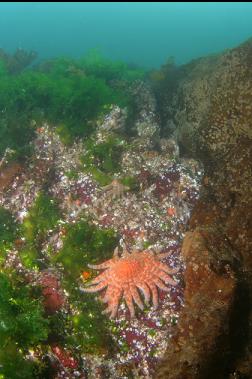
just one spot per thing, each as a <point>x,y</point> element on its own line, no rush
<point>89,328</point>
<point>3,71</point>
<point>95,64</point>
<point>42,217</point>
<point>22,327</point>
<point>8,226</point>
<point>131,182</point>
<point>14,364</point>
<point>8,231</point>
<point>83,330</point>
<point>70,94</point>
<point>105,156</point>
<point>101,178</point>
<point>72,174</point>
<point>84,243</point>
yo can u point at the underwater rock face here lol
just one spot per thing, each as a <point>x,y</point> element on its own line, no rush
<point>209,298</point>
<point>212,108</point>
<point>211,105</point>
<point>146,124</point>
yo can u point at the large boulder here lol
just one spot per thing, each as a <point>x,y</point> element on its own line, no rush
<point>211,107</point>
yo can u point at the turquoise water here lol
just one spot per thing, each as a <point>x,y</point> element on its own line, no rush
<point>142,33</point>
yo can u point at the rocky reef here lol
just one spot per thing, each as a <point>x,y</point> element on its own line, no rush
<point>93,179</point>
<point>210,110</point>
<point>98,157</point>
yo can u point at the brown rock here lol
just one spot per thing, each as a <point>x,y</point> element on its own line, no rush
<point>211,106</point>
<point>204,322</point>
<point>8,174</point>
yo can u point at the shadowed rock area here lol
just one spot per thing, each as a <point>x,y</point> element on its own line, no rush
<point>208,103</point>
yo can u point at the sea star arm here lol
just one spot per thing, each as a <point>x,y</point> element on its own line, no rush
<point>166,278</point>
<point>167,269</point>
<point>163,255</point>
<point>95,288</point>
<point>111,293</point>
<point>112,297</point>
<point>154,292</point>
<point>146,291</point>
<point>129,302</point>
<point>160,284</point>
<point>136,297</point>
<point>103,265</point>
<point>100,278</point>
<point>112,308</point>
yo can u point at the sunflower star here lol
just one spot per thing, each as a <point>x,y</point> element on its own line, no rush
<point>124,275</point>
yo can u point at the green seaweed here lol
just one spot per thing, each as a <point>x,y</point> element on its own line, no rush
<point>3,70</point>
<point>95,64</point>
<point>72,95</point>
<point>89,328</point>
<point>69,94</point>
<point>14,365</point>
<point>131,182</point>
<point>42,217</point>
<point>72,174</point>
<point>85,329</point>
<point>8,227</point>
<point>84,243</point>
<point>102,178</point>
<point>8,231</point>
<point>105,156</point>
<point>22,327</point>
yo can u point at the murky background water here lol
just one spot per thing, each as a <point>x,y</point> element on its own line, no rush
<point>142,33</point>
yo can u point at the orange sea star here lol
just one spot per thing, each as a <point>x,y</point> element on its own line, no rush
<point>124,275</point>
